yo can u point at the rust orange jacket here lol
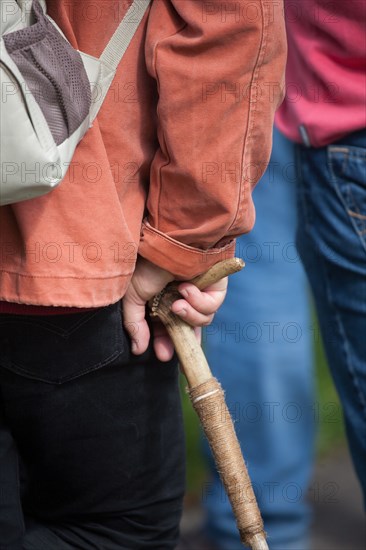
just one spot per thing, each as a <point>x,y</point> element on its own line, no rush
<point>168,168</point>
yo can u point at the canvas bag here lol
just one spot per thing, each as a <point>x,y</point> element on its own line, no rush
<point>50,95</point>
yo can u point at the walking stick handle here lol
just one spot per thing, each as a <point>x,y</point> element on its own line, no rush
<point>208,400</point>
<point>218,272</point>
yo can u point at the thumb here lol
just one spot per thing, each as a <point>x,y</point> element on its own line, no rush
<point>134,321</point>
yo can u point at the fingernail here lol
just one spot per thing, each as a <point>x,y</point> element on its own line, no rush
<point>134,346</point>
<point>184,293</point>
<point>182,312</point>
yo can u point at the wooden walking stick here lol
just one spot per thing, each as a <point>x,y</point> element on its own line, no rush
<point>208,400</point>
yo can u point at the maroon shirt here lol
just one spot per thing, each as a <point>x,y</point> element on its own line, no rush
<point>326,71</point>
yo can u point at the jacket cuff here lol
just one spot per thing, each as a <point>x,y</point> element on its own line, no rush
<point>183,261</point>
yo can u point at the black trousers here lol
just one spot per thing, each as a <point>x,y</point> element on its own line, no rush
<point>91,439</point>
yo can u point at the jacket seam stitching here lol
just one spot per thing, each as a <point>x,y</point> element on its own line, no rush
<point>18,369</point>
<point>185,247</point>
<point>155,65</point>
<point>64,276</point>
<point>251,111</point>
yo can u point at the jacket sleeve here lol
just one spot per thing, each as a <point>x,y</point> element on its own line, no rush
<point>219,69</point>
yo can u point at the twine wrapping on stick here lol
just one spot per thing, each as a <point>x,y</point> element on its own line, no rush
<point>208,400</point>
<point>209,403</point>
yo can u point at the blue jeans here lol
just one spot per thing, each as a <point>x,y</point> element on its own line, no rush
<point>91,439</point>
<point>259,347</point>
<point>332,243</point>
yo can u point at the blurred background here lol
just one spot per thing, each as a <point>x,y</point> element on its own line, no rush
<point>264,345</point>
<point>334,493</point>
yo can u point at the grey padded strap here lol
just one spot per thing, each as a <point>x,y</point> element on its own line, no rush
<point>115,49</point>
<point>26,5</point>
<point>123,35</point>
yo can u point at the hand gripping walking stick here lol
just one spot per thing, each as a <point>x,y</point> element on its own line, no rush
<point>208,400</point>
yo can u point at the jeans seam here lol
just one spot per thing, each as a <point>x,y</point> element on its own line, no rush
<point>362,398</point>
<point>18,506</point>
<point>301,191</point>
<point>50,327</point>
<point>19,512</point>
<point>343,339</point>
<point>350,150</point>
<point>16,369</point>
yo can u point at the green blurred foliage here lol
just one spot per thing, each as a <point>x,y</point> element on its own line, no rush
<point>331,425</point>
<point>196,468</point>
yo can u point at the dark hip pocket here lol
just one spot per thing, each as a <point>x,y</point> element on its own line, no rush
<point>56,349</point>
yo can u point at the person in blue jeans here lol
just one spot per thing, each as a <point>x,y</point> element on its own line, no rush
<point>326,118</point>
<point>260,348</point>
<point>332,242</point>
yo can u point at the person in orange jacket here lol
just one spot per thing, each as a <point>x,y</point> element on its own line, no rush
<point>91,450</point>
